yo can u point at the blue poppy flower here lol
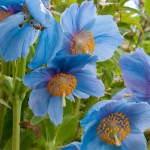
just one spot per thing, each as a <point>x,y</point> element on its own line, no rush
<point>67,77</point>
<point>116,126</point>
<point>136,74</point>
<point>20,31</point>
<point>89,34</point>
<point>72,146</point>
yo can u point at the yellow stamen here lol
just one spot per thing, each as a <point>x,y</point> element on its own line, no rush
<point>127,95</point>
<point>62,84</point>
<point>82,43</point>
<point>4,15</point>
<point>114,129</point>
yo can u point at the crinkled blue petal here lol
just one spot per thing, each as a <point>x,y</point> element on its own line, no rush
<point>9,2</point>
<point>47,46</point>
<point>37,76</point>
<point>39,101</point>
<point>136,74</point>
<point>96,107</point>
<point>75,18</point>
<point>16,41</point>
<point>80,94</point>
<point>106,37</point>
<point>89,85</point>
<point>134,142</point>
<point>39,12</point>
<point>72,146</point>
<point>138,114</point>
<point>55,110</point>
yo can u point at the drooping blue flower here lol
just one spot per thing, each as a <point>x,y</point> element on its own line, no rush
<point>136,74</point>
<point>20,31</point>
<point>72,146</point>
<point>116,126</point>
<point>65,78</point>
<point>87,33</point>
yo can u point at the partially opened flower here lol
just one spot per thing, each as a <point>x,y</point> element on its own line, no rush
<point>19,31</point>
<point>136,74</point>
<point>117,126</point>
<point>67,77</point>
<point>72,146</point>
<point>87,33</point>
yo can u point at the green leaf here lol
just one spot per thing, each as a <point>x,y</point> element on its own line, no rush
<point>147,6</point>
<point>36,119</point>
<point>67,127</point>
<point>4,103</point>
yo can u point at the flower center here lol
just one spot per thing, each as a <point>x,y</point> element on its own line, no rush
<point>82,43</point>
<point>4,15</point>
<point>62,84</point>
<point>114,129</point>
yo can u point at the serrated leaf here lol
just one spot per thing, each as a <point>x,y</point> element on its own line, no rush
<point>147,6</point>
<point>4,103</point>
<point>66,128</point>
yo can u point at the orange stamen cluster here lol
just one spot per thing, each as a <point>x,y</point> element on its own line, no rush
<point>4,15</point>
<point>115,125</point>
<point>61,83</point>
<point>82,43</point>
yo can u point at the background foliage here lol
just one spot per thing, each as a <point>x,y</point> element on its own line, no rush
<point>37,132</point>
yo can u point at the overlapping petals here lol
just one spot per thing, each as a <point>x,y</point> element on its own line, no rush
<point>135,113</point>
<point>87,85</point>
<point>104,30</point>
<point>136,74</point>
<point>42,23</point>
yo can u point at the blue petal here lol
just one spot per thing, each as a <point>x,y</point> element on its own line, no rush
<point>16,41</point>
<point>95,107</point>
<point>47,46</point>
<point>39,12</point>
<point>71,97</point>
<point>14,8</point>
<point>35,77</point>
<point>46,3</point>
<point>80,94</point>
<point>69,19</point>
<point>138,114</point>
<point>135,72</point>
<point>76,63</point>
<point>84,19</point>
<point>72,146</point>
<point>134,142</point>
<point>55,110</point>
<point>38,101</point>
<point>75,18</point>
<point>91,140</point>
<point>89,85</point>
<point>8,2</point>
<point>120,95</point>
<point>106,37</point>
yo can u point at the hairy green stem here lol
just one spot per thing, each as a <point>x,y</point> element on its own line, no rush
<point>16,127</point>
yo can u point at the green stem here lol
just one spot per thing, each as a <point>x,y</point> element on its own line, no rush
<point>77,105</point>
<point>16,127</point>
